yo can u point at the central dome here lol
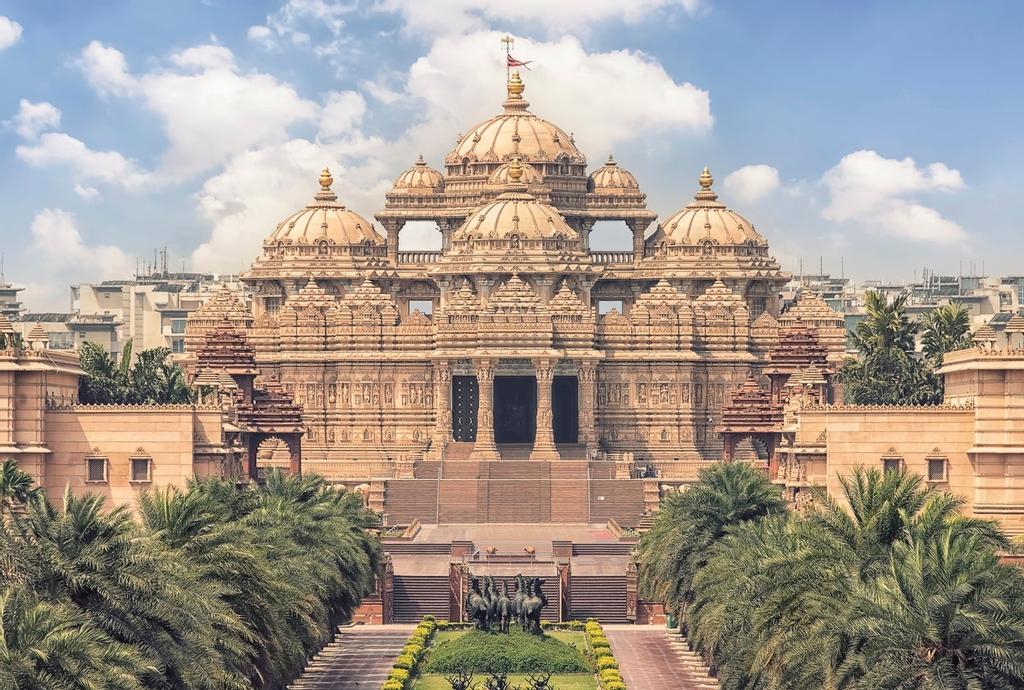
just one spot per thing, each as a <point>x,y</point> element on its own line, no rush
<point>325,221</point>
<point>515,132</point>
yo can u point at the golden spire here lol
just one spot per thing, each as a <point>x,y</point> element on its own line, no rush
<point>326,180</point>
<point>706,180</point>
<point>611,160</point>
<point>515,170</point>
<point>515,85</point>
<point>420,162</point>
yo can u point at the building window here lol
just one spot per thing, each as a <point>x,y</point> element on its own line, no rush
<point>272,305</point>
<point>60,341</point>
<point>604,306</point>
<point>757,306</point>
<point>892,465</point>
<point>177,345</point>
<point>140,468</point>
<point>937,469</point>
<point>96,470</point>
<point>178,326</point>
<point>423,306</point>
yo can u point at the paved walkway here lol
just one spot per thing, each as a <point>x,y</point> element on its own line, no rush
<point>360,658</point>
<point>652,657</point>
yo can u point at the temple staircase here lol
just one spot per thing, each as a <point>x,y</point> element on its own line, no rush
<point>415,596</point>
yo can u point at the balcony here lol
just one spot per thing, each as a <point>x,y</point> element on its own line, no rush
<point>421,257</point>
<point>612,258</point>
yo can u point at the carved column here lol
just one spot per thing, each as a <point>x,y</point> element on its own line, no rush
<point>387,590</point>
<point>442,408</point>
<point>295,455</point>
<point>485,449</point>
<point>393,227</point>
<point>586,225</point>
<point>544,441</point>
<point>588,404</point>
<point>638,227</point>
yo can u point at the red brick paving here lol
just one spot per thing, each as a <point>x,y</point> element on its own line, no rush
<point>654,658</point>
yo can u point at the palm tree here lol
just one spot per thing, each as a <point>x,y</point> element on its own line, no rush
<point>689,523</point>
<point>51,646</point>
<point>15,485</point>
<point>886,372</point>
<point>945,329</point>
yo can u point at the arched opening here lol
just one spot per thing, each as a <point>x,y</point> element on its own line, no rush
<point>420,236</point>
<point>611,236</point>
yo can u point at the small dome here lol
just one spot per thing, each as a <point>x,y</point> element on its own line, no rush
<point>706,219</point>
<point>528,175</point>
<point>516,216</point>
<point>419,179</point>
<point>515,132</point>
<point>611,179</point>
<point>326,220</point>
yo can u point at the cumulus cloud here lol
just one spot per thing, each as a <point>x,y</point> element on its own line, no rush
<point>57,242</point>
<point>751,183</point>
<point>106,69</point>
<point>33,118</point>
<point>342,112</point>
<point>87,193</point>
<point>109,167</point>
<point>291,23</point>
<point>567,85</point>
<point>881,194</point>
<point>10,32</point>
<point>460,16</point>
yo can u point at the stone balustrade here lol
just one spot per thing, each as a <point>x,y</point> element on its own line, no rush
<point>612,257</point>
<point>419,257</point>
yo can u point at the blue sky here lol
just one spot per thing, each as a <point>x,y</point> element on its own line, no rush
<point>885,133</point>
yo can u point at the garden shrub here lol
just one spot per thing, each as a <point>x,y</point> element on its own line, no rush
<point>517,652</point>
<point>602,651</point>
<point>393,685</point>
<point>405,661</point>
<point>604,662</point>
<point>615,685</point>
<point>610,674</point>
<point>399,674</point>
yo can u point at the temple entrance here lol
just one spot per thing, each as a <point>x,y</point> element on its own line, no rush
<point>565,409</point>
<point>515,409</point>
<point>465,401</point>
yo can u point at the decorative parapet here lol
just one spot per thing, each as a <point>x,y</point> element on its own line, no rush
<point>944,407</point>
<point>173,407</point>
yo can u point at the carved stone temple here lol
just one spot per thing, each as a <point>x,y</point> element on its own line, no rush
<point>515,340</point>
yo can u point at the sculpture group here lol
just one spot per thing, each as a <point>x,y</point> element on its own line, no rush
<point>490,608</point>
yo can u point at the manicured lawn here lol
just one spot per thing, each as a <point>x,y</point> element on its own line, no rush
<point>558,651</point>
<point>578,681</point>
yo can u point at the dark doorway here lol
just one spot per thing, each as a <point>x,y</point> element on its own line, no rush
<point>515,409</point>
<point>465,400</point>
<point>565,409</point>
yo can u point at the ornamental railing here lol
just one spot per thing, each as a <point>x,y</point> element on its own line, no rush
<point>612,257</point>
<point>422,257</point>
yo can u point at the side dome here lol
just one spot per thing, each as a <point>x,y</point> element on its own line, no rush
<point>516,132</point>
<point>419,179</point>
<point>528,175</point>
<point>325,221</point>
<point>706,220</point>
<point>612,179</point>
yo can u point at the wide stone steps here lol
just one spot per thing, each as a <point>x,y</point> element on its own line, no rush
<point>415,596</point>
<point>598,596</point>
<point>360,657</point>
<point>406,500</point>
<point>653,658</point>
<point>692,663</point>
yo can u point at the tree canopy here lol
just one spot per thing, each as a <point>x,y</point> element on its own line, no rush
<point>151,379</point>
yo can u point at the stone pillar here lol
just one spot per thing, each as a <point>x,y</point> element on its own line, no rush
<point>442,408</point>
<point>252,447</point>
<point>586,225</point>
<point>588,404</point>
<point>485,449</point>
<point>544,441</point>
<point>387,590</point>
<point>295,455</point>
<point>393,226</point>
<point>638,227</point>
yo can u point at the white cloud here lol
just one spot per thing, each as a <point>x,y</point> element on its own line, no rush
<point>751,183</point>
<point>296,18</point>
<point>110,167</point>
<point>461,16</point>
<point>87,193</point>
<point>567,86</point>
<point>10,32</point>
<point>210,111</point>
<point>342,112</point>
<point>106,69</point>
<point>33,118</point>
<point>57,241</point>
<point>262,35</point>
<point>878,193</point>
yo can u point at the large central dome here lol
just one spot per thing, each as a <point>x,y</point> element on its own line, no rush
<point>515,132</point>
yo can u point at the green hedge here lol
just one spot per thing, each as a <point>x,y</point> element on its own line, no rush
<point>517,652</point>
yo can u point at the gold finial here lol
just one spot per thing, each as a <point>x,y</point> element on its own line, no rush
<point>706,180</point>
<point>420,162</point>
<point>515,170</point>
<point>509,43</point>
<point>515,85</point>
<point>326,180</point>
<point>611,160</point>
